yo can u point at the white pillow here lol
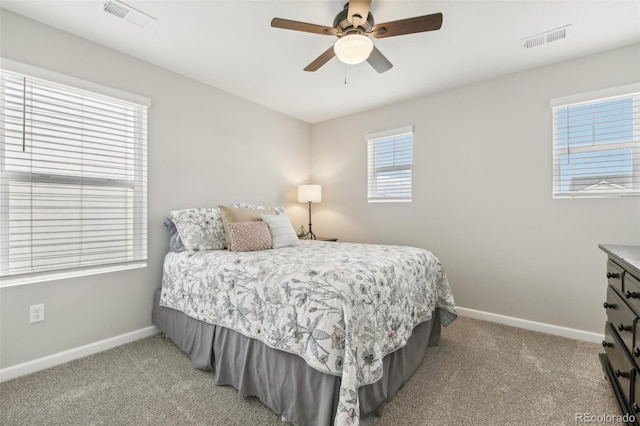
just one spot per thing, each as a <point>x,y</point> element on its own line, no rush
<point>200,229</point>
<point>282,233</point>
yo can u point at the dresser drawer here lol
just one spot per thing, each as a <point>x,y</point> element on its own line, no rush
<point>632,291</point>
<point>622,367</point>
<point>621,317</point>
<point>614,275</point>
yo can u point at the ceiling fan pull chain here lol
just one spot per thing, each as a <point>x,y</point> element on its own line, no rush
<point>345,74</point>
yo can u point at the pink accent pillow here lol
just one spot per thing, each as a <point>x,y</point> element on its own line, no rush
<point>249,236</point>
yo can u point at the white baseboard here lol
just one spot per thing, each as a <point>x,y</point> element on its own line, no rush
<point>75,353</point>
<point>542,327</point>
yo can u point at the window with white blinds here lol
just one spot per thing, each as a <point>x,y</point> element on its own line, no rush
<point>389,165</point>
<point>73,180</point>
<point>596,144</point>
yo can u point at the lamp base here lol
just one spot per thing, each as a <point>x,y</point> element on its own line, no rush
<point>310,235</point>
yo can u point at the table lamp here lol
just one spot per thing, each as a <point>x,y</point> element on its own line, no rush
<point>310,194</point>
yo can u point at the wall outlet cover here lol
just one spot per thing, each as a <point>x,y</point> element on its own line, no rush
<point>36,313</point>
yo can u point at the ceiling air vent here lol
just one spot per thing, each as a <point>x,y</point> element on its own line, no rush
<point>546,37</point>
<point>129,14</point>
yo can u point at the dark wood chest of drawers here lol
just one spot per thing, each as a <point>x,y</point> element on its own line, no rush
<point>621,357</point>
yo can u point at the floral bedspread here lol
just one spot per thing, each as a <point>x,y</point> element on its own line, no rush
<point>340,306</point>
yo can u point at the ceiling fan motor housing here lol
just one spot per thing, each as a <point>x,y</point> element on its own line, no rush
<point>344,27</point>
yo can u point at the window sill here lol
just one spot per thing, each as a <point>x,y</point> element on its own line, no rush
<point>62,275</point>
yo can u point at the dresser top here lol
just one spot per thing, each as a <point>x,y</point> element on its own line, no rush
<point>624,254</point>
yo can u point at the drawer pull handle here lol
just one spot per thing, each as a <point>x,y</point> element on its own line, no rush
<point>636,352</point>
<point>631,294</point>
<point>621,373</point>
<point>606,344</point>
<point>613,275</point>
<point>623,327</point>
<point>609,305</point>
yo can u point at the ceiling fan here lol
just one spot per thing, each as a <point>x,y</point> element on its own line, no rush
<point>353,26</point>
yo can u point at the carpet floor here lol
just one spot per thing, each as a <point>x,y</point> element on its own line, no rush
<point>482,373</point>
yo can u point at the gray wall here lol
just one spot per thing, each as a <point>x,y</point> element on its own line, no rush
<point>482,192</point>
<point>205,147</point>
<point>482,197</point>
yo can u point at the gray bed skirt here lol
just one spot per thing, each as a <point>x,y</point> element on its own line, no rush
<point>283,381</point>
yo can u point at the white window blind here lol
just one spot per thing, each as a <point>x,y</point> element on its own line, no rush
<point>596,144</point>
<point>73,179</point>
<point>389,165</point>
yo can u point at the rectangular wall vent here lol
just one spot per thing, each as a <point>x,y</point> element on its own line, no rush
<point>129,14</point>
<point>545,38</point>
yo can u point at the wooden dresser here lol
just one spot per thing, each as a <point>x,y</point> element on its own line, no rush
<point>621,357</point>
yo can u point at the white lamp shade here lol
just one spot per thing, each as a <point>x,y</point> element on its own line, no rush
<point>309,193</point>
<point>353,49</point>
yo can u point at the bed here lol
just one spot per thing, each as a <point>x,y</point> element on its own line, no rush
<point>321,332</point>
<point>320,308</point>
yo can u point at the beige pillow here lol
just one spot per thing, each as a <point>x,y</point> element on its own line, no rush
<point>249,236</point>
<point>233,214</point>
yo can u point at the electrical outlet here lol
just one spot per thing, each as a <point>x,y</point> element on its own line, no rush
<point>36,313</point>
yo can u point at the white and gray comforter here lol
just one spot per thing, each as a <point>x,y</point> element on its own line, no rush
<point>340,306</point>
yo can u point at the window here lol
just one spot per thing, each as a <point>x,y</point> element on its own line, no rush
<point>389,165</point>
<point>73,177</point>
<point>596,144</point>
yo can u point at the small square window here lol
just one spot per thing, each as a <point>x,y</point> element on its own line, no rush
<point>596,144</point>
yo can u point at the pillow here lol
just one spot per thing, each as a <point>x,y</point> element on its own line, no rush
<point>248,236</point>
<point>282,233</point>
<point>175,242</point>
<point>279,209</point>
<point>236,214</point>
<point>200,229</point>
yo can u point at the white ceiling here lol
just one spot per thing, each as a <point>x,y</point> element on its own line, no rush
<point>230,45</point>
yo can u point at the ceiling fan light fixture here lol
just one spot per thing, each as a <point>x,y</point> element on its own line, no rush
<point>353,48</point>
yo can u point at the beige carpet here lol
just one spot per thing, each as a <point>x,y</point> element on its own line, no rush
<point>481,374</point>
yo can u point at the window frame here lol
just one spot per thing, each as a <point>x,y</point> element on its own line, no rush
<point>373,195</point>
<point>595,97</point>
<point>138,184</point>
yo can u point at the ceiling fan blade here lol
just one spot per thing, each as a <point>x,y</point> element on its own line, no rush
<point>378,61</point>
<point>418,24</point>
<point>321,60</point>
<point>358,12</point>
<point>286,24</point>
